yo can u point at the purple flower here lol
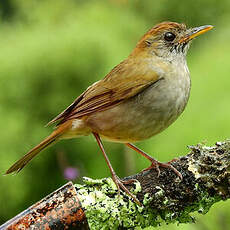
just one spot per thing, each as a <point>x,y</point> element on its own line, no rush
<point>70,173</point>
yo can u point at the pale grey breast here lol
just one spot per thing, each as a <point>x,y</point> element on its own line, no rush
<point>149,112</point>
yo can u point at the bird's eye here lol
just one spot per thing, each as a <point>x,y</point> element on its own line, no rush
<point>169,36</point>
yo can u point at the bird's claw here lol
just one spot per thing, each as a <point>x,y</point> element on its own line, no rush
<point>156,165</point>
<point>120,185</point>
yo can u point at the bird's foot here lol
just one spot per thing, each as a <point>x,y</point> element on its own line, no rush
<point>121,185</point>
<point>154,163</point>
<point>157,164</point>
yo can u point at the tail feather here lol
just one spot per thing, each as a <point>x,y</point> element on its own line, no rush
<point>20,164</point>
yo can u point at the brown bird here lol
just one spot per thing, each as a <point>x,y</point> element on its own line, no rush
<point>139,98</point>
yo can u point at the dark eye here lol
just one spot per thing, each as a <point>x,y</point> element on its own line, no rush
<point>169,36</point>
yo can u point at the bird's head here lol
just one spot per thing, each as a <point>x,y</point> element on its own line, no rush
<point>168,40</point>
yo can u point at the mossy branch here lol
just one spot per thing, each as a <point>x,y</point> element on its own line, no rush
<point>165,199</point>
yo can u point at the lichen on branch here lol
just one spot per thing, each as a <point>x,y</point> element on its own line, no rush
<point>165,198</point>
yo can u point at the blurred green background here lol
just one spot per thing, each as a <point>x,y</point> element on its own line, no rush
<point>50,51</point>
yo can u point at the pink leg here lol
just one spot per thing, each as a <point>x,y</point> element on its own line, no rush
<point>154,163</point>
<point>119,183</point>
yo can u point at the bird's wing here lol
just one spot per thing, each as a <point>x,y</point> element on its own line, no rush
<point>124,81</point>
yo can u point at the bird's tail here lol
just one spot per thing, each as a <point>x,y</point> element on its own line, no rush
<point>20,164</point>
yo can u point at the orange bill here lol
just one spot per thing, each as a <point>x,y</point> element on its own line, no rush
<point>194,32</point>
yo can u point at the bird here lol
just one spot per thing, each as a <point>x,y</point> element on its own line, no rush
<point>137,99</point>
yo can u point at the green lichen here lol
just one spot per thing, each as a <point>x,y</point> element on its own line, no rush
<point>160,193</point>
<point>204,203</point>
<point>205,166</point>
<point>147,199</point>
<point>105,209</point>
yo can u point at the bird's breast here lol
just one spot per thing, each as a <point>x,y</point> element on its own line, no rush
<point>166,99</point>
<point>147,113</point>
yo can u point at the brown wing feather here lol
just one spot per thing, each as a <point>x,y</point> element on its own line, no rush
<point>124,81</point>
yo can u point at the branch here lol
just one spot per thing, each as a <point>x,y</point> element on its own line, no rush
<point>97,205</point>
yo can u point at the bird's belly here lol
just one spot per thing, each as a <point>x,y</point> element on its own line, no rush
<point>142,116</point>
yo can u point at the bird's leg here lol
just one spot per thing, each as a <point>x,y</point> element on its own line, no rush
<point>119,183</point>
<point>154,163</point>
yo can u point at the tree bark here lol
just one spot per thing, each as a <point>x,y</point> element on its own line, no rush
<point>97,205</point>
